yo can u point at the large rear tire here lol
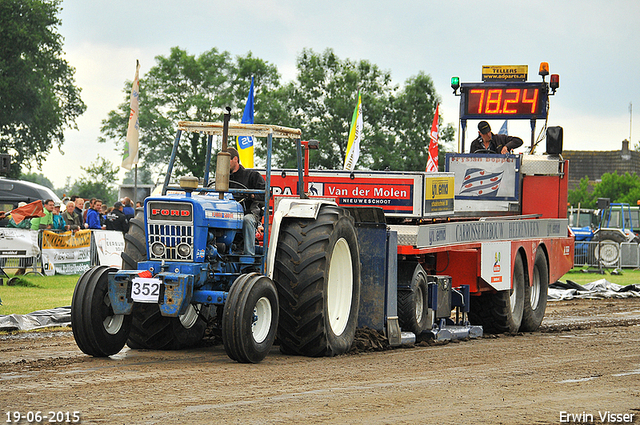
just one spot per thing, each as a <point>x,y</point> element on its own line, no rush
<point>414,314</point>
<point>151,330</point>
<point>501,312</point>
<point>535,296</point>
<point>250,318</point>
<point>97,331</point>
<point>317,273</point>
<point>135,246</point>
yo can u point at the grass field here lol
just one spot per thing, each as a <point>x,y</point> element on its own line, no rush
<point>41,292</point>
<point>32,293</point>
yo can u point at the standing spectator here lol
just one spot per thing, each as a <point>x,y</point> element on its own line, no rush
<point>88,207</point>
<point>79,202</point>
<point>59,223</point>
<point>116,219</point>
<point>138,204</point>
<point>93,216</point>
<point>45,222</point>
<point>128,210</point>
<point>103,215</point>
<point>71,217</point>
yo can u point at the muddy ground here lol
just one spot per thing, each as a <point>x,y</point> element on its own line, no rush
<point>584,361</point>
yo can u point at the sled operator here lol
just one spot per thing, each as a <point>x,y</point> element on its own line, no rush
<point>498,143</point>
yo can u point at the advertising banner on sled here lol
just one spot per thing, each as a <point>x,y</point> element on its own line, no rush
<point>66,253</point>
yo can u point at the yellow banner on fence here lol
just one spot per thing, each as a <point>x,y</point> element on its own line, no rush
<point>66,240</point>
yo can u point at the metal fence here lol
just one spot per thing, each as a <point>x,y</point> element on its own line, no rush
<point>614,255</point>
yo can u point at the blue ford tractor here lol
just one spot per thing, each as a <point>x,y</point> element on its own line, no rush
<point>184,269</point>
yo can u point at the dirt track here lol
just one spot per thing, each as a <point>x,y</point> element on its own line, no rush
<point>586,359</point>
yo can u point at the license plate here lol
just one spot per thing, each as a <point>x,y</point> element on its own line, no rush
<point>145,289</point>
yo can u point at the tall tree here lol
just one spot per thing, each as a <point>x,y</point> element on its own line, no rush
<point>99,181</point>
<point>320,101</point>
<point>39,99</point>
<point>397,121</point>
<point>191,88</point>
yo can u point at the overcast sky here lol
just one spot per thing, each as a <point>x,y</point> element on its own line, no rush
<point>592,44</point>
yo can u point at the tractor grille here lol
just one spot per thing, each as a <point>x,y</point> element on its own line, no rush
<point>165,239</point>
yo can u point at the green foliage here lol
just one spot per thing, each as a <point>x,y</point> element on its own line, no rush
<point>39,98</point>
<point>320,102</point>
<point>191,88</point>
<point>618,188</point>
<point>396,121</point>
<point>99,182</point>
<point>144,176</point>
<point>37,178</point>
<point>581,195</point>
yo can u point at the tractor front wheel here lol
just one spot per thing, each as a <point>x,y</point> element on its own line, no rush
<point>97,330</point>
<point>250,318</point>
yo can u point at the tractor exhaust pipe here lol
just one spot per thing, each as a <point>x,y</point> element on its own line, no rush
<point>223,159</point>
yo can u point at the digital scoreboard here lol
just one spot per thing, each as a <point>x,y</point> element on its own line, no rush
<point>508,100</point>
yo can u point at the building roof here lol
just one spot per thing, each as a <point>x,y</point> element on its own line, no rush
<point>594,164</point>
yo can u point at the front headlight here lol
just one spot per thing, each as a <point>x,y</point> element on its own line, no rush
<point>184,250</point>
<point>157,249</point>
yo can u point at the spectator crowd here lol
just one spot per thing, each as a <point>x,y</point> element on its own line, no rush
<point>76,213</point>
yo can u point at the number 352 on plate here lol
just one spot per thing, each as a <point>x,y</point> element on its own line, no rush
<point>145,290</point>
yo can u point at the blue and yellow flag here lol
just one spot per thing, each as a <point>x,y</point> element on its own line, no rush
<point>245,143</point>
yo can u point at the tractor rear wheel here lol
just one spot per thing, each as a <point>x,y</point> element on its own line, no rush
<point>135,246</point>
<point>151,330</point>
<point>317,273</point>
<point>250,318</point>
<point>97,331</point>
<point>535,296</point>
<point>501,311</point>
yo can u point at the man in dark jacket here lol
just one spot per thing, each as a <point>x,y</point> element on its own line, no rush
<point>497,143</point>
<point>253,203</point>
<point>116,219</point>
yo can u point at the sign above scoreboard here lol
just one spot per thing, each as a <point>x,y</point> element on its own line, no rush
<point>503,100</point>
<point>505,72</point>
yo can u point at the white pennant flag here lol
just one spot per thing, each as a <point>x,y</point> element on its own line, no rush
<point>130,157</point>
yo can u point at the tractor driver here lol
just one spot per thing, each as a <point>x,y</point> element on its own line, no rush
<point>253,203</point>
<point>498,143</point>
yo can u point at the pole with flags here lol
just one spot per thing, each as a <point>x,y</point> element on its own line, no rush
<point>130,157</point>
<point>355,135</point>
<point>245,143</point>
<point>432,162</point>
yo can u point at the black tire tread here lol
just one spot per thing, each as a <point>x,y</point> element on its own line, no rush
<point>493,310</point>
<point>86,322</point>
<point>135,248</point>
<point>532,319</point>
<point>300,269</point>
